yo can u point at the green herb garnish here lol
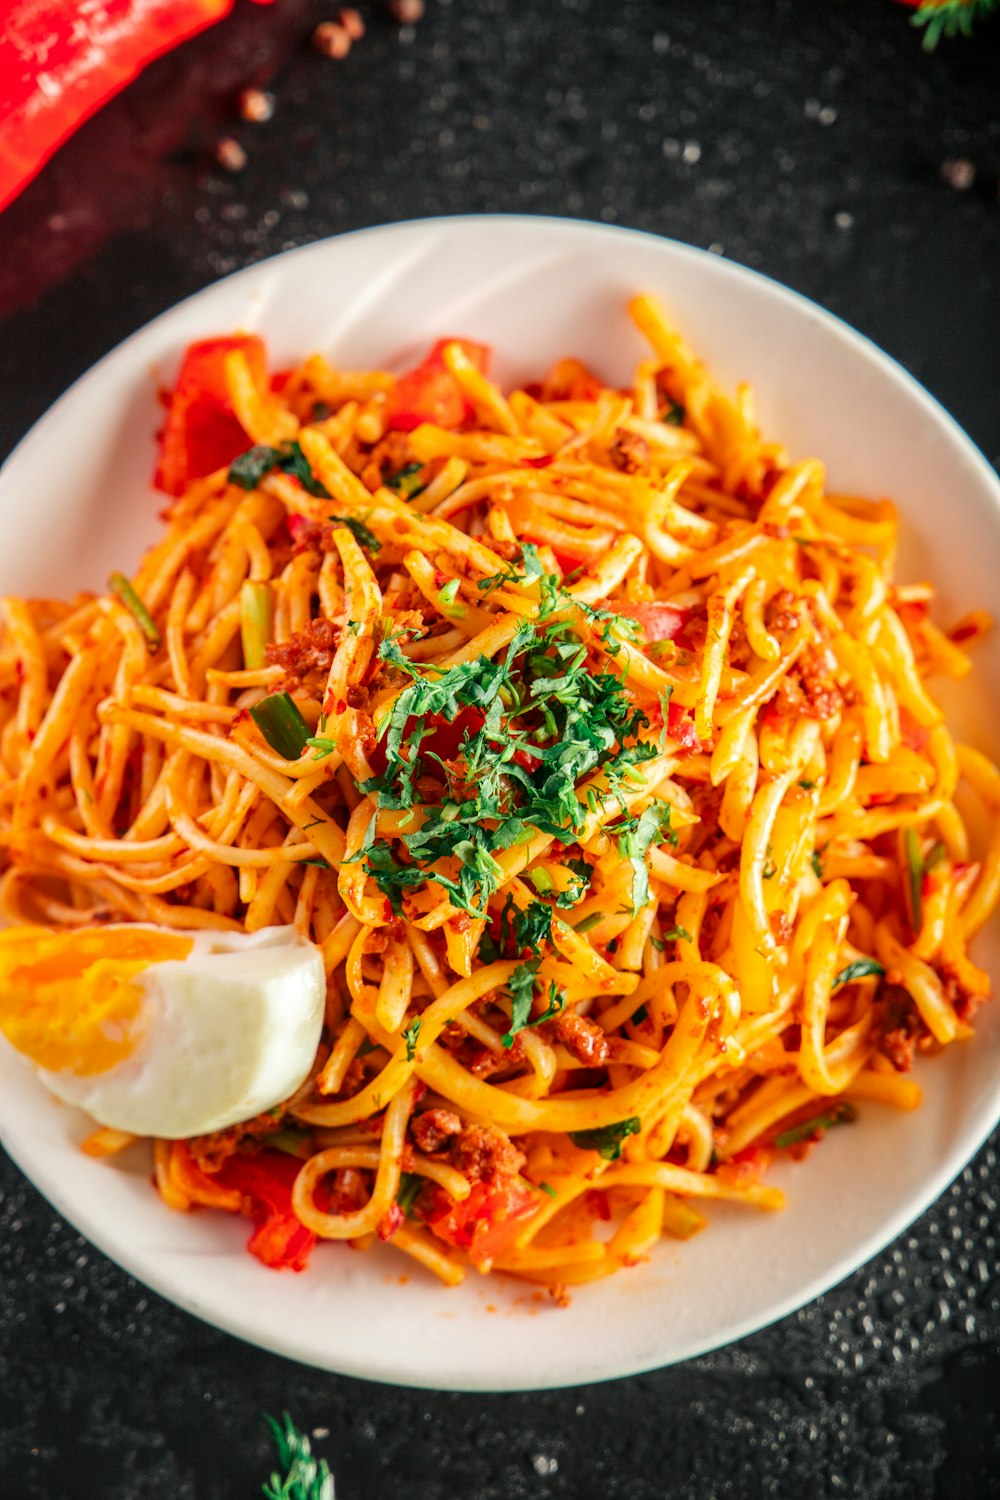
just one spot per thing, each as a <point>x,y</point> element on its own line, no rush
<point>607,1139</point>
<point>406,481</point>
<point>861,968</point>
<point>841,1114</point>
<point>410,1035</point>
<point>363,535</point>
<point>305,1477</point>
<point>410,1184</point>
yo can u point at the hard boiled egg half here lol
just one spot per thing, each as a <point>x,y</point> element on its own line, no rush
<point>159,1032</point>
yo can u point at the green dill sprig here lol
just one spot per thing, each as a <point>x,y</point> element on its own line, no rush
<point>949,18</point>
<point>305,1477</point>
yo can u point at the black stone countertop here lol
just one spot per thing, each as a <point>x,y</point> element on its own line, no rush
<point>798,137</point>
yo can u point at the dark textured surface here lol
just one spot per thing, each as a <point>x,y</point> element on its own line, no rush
<point>801,138</point>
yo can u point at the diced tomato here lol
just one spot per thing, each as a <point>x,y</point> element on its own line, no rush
<point>526,760</point>
<point>201,432</point>
<point>567,563</point>
<point>913,735</point>
<point>658,620</point>
<point>279,1239</point>
<point>390,1221</point>
<point>680,727</point>
<point>538,463</point>
<point>747,1166</point>
<point>488,1221</point>
<point>430,393</point>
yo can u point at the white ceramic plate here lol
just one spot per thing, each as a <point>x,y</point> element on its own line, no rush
<point>75,502</point>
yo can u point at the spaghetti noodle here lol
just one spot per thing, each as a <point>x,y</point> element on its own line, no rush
<point>589,738</point>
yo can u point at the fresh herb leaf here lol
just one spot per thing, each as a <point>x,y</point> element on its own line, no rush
<point>363,535</point>
<point>533,926</point>
<point>816,860</point>
<point>406,481</point>
<point>841,1114</point>
<point>677,932</point>
<point>280,722</point>
<point>934,857</point>
<point>607,1140</point>
<point>861,968</point>
<point>410,1184</point>
<point>635,838</point>
<point>410,1035</point>
<point>249,468</point>
<point>305,1477</point>
<point>293,1142</point>
<point>674,414</point>
<point>547,1187</point>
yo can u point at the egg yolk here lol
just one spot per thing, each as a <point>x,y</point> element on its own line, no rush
<point>69,1000</point>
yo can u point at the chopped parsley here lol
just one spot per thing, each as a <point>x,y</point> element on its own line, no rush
<point>410,1035</point>
<point>406,481</point>
<point>521,988</point>
<point>861,968</point>
<point>363,534</point>
<point>535,721</point>
<point>250,467</point>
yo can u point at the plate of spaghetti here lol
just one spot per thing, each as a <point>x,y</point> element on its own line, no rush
<point>487,793</point>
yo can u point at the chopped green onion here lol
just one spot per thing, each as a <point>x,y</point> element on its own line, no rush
<point>282,725</point>
<point>123,591</point>
<point>842,1114</point>
<point>542,881</point>
<point>681,1220</point>
<point>915,877</point>
<point>547,1187</point>
<point>861,968</point>
<point>256,623</point>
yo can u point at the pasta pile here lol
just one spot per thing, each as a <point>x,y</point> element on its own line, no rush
<point>588,736</point>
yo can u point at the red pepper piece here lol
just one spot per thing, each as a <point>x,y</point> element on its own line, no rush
<point>201,432</point>
<point>58,65</point>
<point>488,1221</point>
<point>280,1239</point>
<point>680,727</point>
<point>430,393</point>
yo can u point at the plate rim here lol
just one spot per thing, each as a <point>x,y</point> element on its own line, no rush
<point>962,1151</point>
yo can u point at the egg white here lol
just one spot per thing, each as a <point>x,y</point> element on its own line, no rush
<point>223,1034</point>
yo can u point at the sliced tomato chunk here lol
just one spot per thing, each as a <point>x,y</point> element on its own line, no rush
<point>658,620</point>
<point>680,727</point>
<point>488,1221</point>
<point>280,1239</point>
<point>201,432</point>
<point>430,393</point>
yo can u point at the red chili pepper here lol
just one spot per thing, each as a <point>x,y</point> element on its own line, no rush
<point>60,61</point>
<point>538,463</point>
<point>280,1239</point>
<point>430,393</point>
<point>201,432</point>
